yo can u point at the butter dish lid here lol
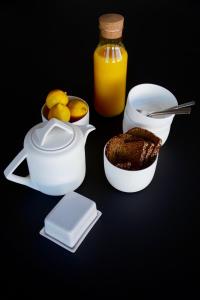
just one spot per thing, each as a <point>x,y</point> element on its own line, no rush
<point>70,221</point>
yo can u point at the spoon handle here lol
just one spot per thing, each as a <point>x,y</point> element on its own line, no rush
<point>172,111</point>
<point>186,104</point>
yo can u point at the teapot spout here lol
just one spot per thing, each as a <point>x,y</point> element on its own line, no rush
<point>86,130</point>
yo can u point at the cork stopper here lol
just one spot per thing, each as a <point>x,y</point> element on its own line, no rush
<point>111,25</point>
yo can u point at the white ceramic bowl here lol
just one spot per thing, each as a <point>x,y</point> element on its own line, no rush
<point>82,121</point>
<point>149,97</point>
<point>128,181</point>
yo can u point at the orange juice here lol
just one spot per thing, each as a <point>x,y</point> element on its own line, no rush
<point>110,67</point>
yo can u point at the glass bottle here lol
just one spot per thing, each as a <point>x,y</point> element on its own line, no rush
<point>110,67</point>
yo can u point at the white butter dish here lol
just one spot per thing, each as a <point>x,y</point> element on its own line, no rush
<point>70,221</point>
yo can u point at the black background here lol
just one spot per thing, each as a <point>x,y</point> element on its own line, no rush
<point>143,240</point>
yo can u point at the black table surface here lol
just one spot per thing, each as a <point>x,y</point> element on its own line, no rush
<point>144,239</point>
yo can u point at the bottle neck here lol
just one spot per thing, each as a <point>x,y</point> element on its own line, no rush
<point>104,41</point>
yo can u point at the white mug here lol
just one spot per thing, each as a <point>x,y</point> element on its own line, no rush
<point>149,97</point>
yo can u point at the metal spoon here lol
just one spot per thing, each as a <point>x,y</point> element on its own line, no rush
<point>180,109</point>
<point>174,111</point>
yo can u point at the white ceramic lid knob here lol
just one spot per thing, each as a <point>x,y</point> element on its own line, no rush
<point>53,135</point>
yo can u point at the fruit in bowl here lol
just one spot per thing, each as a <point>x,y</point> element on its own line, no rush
<point>63,107</point>
<point>59,111</point>
<point>78,109</point>
<point>56,97</point>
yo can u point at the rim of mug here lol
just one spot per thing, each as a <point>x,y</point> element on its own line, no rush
<point>155,123</point>
<point>131,108</point>
<point>71,97</point>
<point>128,171</point>
<point>145,126</point>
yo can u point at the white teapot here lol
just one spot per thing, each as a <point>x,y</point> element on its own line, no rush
<point>55,153</point>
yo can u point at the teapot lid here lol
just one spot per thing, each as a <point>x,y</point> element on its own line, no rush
<point>53,135</point>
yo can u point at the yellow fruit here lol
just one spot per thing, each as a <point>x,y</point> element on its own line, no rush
<point>60,112</point>
<point>78,109</point>
<point>56,96</point>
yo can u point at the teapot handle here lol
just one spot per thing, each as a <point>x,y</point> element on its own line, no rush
<point>8,172</point>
